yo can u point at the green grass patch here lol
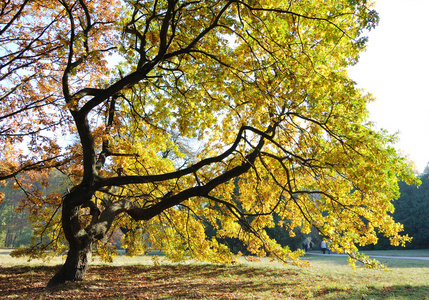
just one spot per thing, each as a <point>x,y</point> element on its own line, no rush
<point>409,253</point>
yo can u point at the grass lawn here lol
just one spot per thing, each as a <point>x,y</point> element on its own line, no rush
<point>409,253</point>
<point>328,277</point>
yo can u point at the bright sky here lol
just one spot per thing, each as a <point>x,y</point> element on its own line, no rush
<point>395,69</point>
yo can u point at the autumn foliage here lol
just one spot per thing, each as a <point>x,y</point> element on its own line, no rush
<point>166,116</point>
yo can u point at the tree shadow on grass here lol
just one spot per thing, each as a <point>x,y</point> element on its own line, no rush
<point>142,282</point>
<point>182,282</point>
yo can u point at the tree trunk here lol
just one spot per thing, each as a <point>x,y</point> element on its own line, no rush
<point>75,266</point>
<point>80,243</point>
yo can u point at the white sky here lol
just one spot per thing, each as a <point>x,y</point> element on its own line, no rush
<point>395,69</point>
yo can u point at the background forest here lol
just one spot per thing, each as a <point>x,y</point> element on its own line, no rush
<point>411,210</point>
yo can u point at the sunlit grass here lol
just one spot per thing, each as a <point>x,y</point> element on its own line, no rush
<point>413,252</point>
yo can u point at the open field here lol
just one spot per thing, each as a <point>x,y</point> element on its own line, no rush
<point>329,277</point>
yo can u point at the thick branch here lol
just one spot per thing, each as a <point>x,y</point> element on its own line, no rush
<point>124,180</point>
<point>118,86</point>
<point>125,205</point>
<point>147,213</point>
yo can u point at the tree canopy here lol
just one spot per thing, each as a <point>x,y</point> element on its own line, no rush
<point>152,108</point>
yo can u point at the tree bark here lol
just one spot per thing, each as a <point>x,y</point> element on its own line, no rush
<point>80,243</point>
<point>76,264</point>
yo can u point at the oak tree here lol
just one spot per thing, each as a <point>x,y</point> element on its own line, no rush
<point>152,108</point>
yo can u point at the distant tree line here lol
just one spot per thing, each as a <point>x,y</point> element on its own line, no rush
<point>411,210</point>
<point>15,229</point>
<point>15,226</point>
